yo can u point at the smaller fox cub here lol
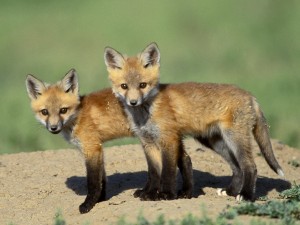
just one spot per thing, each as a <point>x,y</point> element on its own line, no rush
<point>87,122</point>
<point>222,117</point>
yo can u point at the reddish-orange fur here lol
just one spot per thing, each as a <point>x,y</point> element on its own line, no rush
<point>87,122</point>
<point>221,116</point>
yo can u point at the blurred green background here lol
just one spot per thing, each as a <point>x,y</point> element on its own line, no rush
<point>253,44</point>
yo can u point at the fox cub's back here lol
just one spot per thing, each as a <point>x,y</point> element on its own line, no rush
<point>206,104</point>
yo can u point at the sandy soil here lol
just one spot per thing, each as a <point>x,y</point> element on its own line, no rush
<point>33,186</point>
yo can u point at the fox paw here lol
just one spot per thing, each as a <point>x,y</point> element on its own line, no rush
<point>138,193</point>
<point>86,207</point>
<point>150,196</point>
<point>239,198</point>
<point>221,192</point>
<point>167,196</point>
<point>245,197</point>
<point>184,194</point>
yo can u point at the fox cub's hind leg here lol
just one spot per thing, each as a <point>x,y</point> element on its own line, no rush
<point>217,144</point>
<point>240,145</point>
<point>186,170</point>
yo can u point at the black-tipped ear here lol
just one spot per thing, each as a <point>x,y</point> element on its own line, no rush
<point>150,55</point>
<point>70,82</point>
<point>113,59</point>
<point>34,86</point>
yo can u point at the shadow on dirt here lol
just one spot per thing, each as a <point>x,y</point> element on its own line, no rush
<point>119,182</point>
<point>263,184</point>
<point>116,183</point>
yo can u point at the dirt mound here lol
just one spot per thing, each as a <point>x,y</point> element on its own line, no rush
<point>34,186</point>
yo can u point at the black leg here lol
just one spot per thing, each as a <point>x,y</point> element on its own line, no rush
<point>186,170</point>
<point>95,180</point>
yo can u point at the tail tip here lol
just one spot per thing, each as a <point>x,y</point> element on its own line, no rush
<point>280,172</point>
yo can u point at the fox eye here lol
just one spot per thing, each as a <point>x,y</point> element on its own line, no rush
<point>44,112</point>
<point>146,65</point>
<point>63,110</point>
<point>124,86</point>
<point>143,85</point>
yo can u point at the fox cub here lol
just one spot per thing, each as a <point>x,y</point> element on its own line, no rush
<point>222,117</point>
<point>87,122</point>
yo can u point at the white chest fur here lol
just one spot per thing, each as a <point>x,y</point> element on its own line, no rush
<point>142,123</point>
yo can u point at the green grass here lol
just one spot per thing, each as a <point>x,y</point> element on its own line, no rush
<point>252,44</point>
<point>294,163</point>
<point>292,193</point>
<point>58,219</point>
<point>286,212</point>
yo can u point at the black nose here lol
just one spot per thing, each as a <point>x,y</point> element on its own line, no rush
<point>133,102</point>
<point>53,128</point>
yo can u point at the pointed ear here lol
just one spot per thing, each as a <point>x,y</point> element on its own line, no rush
<point>150,56</point>
<point>70,82</point>
<point>34,87</point>
<point>113,59</point>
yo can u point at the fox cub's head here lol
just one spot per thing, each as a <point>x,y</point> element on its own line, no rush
<point>54,105</point>
<point>134,79</point>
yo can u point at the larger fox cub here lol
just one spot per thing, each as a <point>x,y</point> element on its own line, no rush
<point>221,116</point>
<point>87,122</point>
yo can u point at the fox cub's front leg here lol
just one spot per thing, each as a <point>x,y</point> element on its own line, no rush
<point>96,178</point>
<point>161,183</point>
<point>172,156</point>
<point>152,188</point>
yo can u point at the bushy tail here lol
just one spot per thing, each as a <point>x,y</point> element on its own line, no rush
<point>261,135</point>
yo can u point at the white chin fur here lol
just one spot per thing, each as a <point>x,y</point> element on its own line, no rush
<point>41,121</point>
